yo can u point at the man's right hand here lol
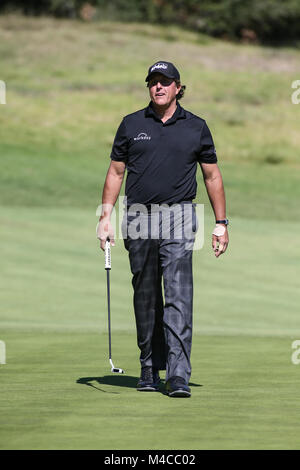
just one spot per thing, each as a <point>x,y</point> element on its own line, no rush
<point>105,231</point>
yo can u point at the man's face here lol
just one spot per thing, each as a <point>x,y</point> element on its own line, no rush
<point>162,90</point>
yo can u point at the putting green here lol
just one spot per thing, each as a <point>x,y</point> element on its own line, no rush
<point>57,391</point>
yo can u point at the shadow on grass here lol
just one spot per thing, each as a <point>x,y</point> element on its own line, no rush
<point>119,381</point>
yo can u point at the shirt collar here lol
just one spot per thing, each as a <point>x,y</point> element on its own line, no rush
<point>178,114</point>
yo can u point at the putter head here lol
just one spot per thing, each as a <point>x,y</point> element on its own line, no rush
<point>116,370</point>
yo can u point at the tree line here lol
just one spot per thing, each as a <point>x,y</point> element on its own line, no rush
<point>264,21</point>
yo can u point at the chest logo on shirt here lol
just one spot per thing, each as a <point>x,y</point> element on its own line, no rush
<point>142,136</point>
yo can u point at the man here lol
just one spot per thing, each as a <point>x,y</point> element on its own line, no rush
<point>160,147</point>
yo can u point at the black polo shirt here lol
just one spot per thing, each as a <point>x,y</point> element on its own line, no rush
<point>161,158</point>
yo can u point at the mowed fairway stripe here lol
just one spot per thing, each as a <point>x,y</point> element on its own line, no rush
<point>53,276</point>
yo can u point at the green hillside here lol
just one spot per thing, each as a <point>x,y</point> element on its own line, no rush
<point>70,83</point>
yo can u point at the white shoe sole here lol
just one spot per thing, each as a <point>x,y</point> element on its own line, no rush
<point>179,393</point>
<point>147,389</point>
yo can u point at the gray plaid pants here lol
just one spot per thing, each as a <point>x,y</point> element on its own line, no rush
<point>163,315</point>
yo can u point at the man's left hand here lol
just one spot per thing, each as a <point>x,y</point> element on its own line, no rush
<point>220,242</point>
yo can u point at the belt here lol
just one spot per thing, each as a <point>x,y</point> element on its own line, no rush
<point>149,207</point>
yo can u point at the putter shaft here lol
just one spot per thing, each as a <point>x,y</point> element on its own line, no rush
<point>108,309</point>
<point>108,268</point>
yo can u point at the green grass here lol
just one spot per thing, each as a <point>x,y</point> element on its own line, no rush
<point>57,391</point>
<point>68,86</point>
<point>59,394</point>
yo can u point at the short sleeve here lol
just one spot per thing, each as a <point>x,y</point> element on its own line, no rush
<point>207,151</point>
<point>119,151</point>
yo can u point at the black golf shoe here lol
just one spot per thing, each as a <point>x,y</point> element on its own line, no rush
<point>177,387</point>
<point>149,380</point>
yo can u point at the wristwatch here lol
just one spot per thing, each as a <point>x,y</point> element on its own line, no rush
<point>224,221</point>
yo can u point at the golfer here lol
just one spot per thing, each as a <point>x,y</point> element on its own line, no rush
<point>160,146</point>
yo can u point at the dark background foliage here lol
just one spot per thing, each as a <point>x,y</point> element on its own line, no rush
<point>273,21</point>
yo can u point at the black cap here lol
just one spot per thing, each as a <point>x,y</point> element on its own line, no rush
<point>165,68</point>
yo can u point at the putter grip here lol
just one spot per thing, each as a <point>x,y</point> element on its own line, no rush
<point>107,255</point>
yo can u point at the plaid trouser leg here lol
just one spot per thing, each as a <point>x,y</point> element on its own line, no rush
<point>158,340</point>
<point>148,301</point>
<point>178,288</point>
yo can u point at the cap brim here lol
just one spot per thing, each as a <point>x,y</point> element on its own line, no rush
<point>160,72</point>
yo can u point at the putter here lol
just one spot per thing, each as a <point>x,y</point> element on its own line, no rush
<point>108,268</point>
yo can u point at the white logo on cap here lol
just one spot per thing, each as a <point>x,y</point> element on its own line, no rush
<point>160,65</point>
